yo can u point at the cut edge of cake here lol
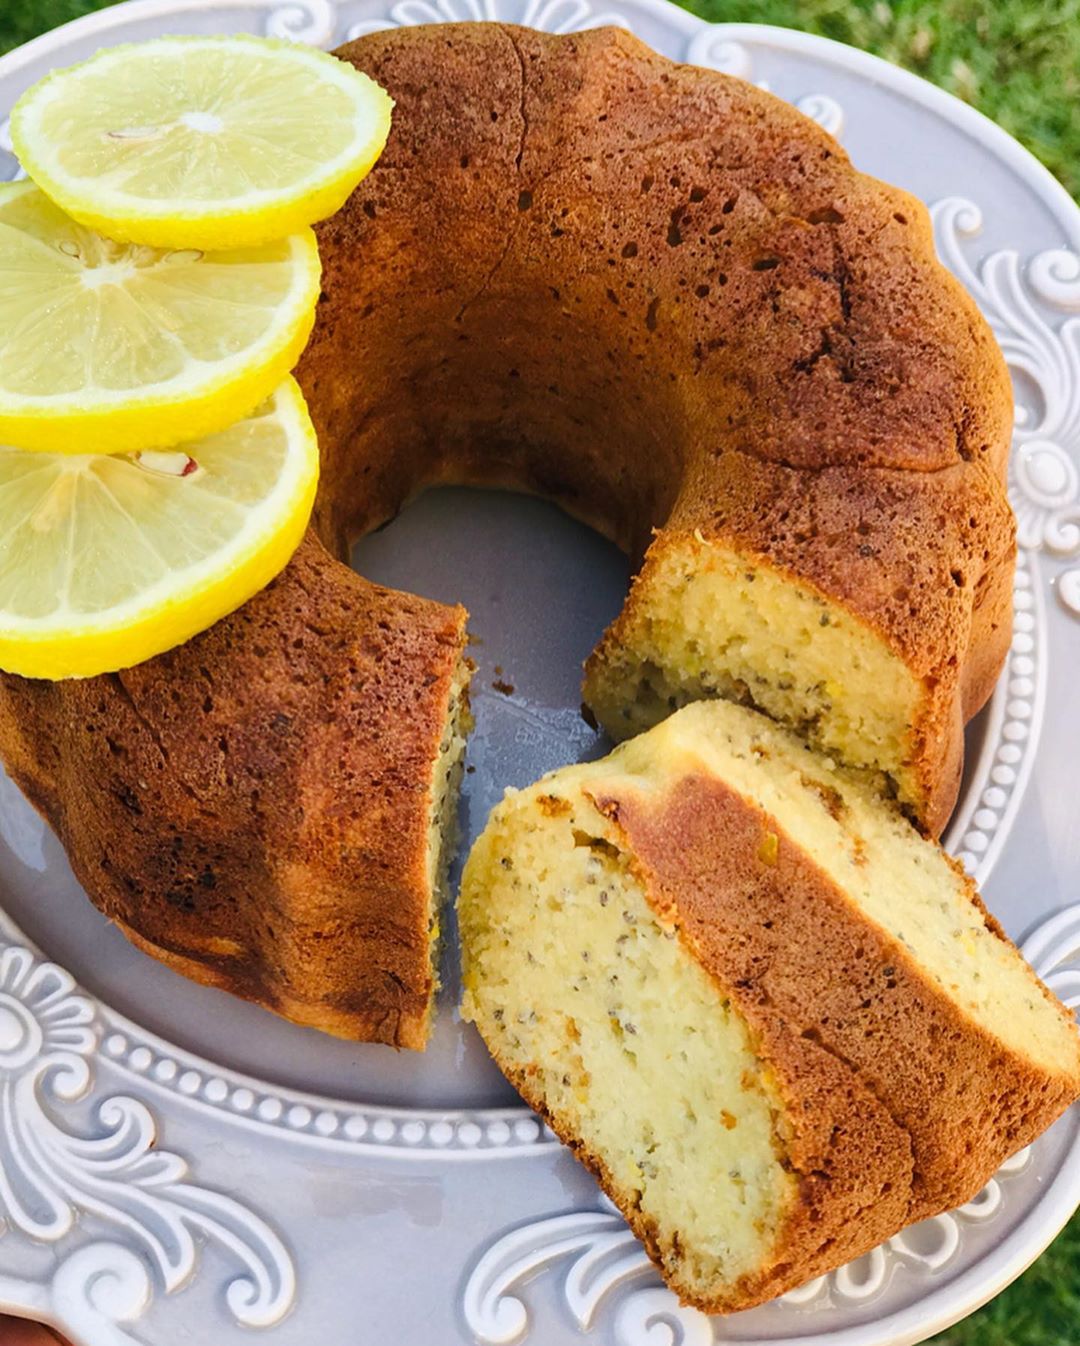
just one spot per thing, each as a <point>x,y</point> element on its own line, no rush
<point>708,620</point>
<point>444,833</point>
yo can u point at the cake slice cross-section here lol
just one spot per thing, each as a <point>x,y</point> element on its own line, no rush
<point>776,1022</point>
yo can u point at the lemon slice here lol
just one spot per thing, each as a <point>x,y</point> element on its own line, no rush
<point>106,347</point>
<point>106,560</point>
<point>202,142</point>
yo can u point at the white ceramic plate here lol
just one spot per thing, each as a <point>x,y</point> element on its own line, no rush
<point>179,1167</point>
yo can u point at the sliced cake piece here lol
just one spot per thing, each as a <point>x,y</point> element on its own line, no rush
<point>777,1023</point>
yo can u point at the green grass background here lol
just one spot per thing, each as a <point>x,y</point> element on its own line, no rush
<point>1019,62</point>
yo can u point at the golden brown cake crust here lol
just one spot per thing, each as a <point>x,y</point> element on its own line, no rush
<point>252,807</point>
<point>674,305</point>
<point>647,291</point>
<point>766,930</point>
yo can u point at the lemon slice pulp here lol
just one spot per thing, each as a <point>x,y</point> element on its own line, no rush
<point>106,347</point>
<point>207,142</point>
<point>108,560</point>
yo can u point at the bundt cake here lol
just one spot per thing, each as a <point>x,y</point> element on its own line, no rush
<point>666,300</point>
<point>776,1022</point>
<point>663,299</point>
